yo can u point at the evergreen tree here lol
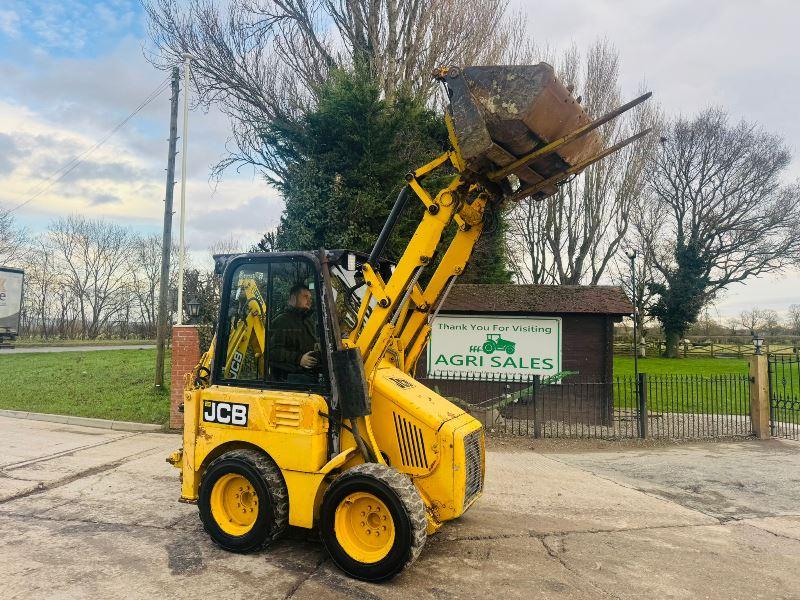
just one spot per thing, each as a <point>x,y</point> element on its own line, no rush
<point>346,163</point>
<point>681,295</point>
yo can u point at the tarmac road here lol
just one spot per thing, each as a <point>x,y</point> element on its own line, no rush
<point>90,513</point>
<point>40,349</point>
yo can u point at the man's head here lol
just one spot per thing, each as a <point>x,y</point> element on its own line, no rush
<point>300,296</point>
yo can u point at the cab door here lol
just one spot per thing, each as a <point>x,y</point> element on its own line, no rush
<point>270,373</point>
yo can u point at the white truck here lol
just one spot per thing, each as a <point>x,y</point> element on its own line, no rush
<point>11,281</point>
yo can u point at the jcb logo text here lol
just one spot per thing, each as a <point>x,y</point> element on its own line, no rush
<point>225,413</point>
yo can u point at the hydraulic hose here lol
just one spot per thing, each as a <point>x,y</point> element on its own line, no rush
<point>391,220</point>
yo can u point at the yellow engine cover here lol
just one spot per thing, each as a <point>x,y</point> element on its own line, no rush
<point>431,439</point>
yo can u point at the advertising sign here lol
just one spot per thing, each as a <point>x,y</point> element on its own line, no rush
<point>491,344</point>
<point>10,299</point>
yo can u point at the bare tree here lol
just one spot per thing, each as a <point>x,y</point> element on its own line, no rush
<point>12,240</point>
<point>723,214</point>
<point>145,275</point>
<point>772,321</point>
<point>40,278</point>
<point>706,323</point>
<point>262,61</point>
<point>93,255</point>
<point>640,295</point>
<point>228,245</point>
<point>732,325</point>
<point>575,235</point>
<point>752,319</point>
<point>793,318</point>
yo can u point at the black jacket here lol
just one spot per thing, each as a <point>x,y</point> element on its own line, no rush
<point>293,333</point>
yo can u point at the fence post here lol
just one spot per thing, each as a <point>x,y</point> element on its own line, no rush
<point>759,396</point>
<point>641,388</point>
<point>537,422</point>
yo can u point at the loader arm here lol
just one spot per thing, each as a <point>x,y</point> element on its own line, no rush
<point>400,307</point>
<point>498,157</point>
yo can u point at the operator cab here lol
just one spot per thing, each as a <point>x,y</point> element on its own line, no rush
<point>264,335</point>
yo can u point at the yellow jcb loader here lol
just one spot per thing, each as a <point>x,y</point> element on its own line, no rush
<point>349,442</point>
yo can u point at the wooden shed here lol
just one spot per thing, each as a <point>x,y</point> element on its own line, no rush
<point>587,313</point>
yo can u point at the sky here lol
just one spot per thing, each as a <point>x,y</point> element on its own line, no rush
<point>71,70</point>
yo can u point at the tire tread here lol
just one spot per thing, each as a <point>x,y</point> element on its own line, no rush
<point>279,495</point>
<point>409,496</point>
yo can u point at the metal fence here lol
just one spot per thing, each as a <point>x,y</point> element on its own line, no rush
<point>784,396</point>
<point>655,406</point>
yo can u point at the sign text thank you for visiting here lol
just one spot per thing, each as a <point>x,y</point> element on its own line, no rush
<point>495,345</point>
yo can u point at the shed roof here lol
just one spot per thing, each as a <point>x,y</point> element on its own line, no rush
<point>539,299</point>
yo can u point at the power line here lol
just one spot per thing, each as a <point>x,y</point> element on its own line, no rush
<point>72,164</point>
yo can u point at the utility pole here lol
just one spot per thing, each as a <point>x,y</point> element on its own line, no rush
<point>166,240</point>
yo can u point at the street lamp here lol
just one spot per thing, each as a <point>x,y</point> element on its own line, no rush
<point>193,309</point>
<point>758,341</point>
<point>632,256</point>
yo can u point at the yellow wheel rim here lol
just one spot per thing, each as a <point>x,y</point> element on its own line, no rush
<point>234,504</point>
<point>364,527</point>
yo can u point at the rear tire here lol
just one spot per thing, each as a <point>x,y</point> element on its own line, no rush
<point>372,522</point>
<point>243,501</point>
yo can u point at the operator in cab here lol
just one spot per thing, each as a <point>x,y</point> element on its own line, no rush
<point>294,349</point>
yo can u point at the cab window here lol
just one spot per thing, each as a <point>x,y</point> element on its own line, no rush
<point>246,322</point>
<point>272,330</point>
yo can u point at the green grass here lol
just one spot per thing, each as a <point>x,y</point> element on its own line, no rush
<point>686,385</point>
<point>623,365</point>
<point>109,384</point>
<point>118,384</point>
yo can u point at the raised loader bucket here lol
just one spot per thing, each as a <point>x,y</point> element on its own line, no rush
<point>521,120</point>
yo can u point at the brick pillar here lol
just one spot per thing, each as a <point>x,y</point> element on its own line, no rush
<point>759,396</point>
<point>185,356</point>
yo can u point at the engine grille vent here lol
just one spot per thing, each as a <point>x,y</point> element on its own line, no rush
<point>411,443</point>
<point>472,460</point>
<point>287,413</point>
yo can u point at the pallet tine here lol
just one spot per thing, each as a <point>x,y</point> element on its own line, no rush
<point>571,137</point>
<point>529,191</point>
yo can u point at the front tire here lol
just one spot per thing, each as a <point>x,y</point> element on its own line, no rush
<point>372,522</point>
<point>243,501</point>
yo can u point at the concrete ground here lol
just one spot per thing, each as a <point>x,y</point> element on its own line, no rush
<point>91,513</point>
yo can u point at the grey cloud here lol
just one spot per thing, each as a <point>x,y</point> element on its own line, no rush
<point>110,171</point>
<point>101,199</point>
<point>93,94</point>
<point>62,154</point>
<point>8,153</point>
<point>257,214</point>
